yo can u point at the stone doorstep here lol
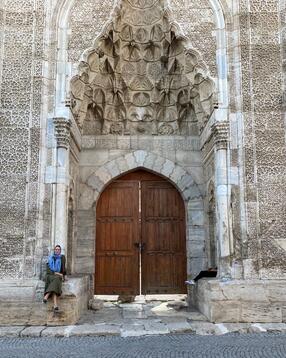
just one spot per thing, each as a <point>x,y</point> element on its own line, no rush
<point>141,329</point>
<point>144,298</point>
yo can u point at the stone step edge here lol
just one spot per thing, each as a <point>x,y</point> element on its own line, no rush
<point>205,328</point>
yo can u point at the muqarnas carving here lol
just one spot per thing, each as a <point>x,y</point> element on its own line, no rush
<point>141,78</point>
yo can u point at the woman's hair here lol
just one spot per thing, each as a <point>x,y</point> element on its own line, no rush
<point>58,246</point>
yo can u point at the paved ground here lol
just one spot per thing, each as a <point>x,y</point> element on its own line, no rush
<point>140,318</point>
<point>268,345</point>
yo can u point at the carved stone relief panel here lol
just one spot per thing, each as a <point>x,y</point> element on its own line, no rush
<point>21,58</point>
<point>86,20</point>
<point>141,78</point>
<point>197,20</point>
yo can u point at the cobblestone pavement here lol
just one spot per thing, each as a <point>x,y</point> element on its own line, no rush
<point>268,345</point>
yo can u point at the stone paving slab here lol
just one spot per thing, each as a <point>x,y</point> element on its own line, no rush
<point>156,327</point>
<point>132,330</point>
<point>179,327</point>
<point>95,330</point>
<point>33,331</point>
<point>237,327</point>
<point>63,331</point>
<point>274,327</point>
<point>142,328</point>
<point>256,328</point>
<point>112,314</point>
<point>204,328</point>
<point>172,319</point>
<point>131,306</point>
<point>13,331</point>
<point>134,314</point>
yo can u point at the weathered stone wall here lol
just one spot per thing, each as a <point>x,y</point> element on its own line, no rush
<point>29,66</point>
<point>264,137</point>
<point>21,54</point>
<point>196,18</point>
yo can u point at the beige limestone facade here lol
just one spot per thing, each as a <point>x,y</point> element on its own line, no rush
<point>191,90</point>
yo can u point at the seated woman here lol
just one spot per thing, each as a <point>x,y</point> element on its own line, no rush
<point>56,271</point>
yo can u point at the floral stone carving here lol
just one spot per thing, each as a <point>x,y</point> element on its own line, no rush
<point>141,78</point>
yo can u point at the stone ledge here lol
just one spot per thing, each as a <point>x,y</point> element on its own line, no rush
<point>21,303</point>
<point>241,301</point>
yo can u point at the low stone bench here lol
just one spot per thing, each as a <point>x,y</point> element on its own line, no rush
<point>21,303</point>
<point>241,301</point>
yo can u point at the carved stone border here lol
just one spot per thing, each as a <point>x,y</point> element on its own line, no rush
<point>142,159</point>
<point>62,132</point>
<point>220,131</point>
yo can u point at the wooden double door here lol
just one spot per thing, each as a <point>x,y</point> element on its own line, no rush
<point>140,237</point>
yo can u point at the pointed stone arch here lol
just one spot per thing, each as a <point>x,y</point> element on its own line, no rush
<point>177,175</point>
<point>101,177</point>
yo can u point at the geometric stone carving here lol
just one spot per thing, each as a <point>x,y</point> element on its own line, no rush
<point>220,131</point>
<point>62,132</point>
<point>140,78</point>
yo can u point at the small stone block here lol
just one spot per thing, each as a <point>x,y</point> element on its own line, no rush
<point>95,330</point>
<point>179,327</point>
<point>13,331</point>
<point>156,328</point>
<point>34,331</point>
<point>57,331</point>
<point>132,330</point>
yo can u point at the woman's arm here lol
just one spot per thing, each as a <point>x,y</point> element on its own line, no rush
<point>63,268</point>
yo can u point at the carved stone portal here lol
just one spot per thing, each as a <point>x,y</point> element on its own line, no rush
<point>140,78</point>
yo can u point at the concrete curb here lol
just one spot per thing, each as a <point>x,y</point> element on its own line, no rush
<point>142,329</point>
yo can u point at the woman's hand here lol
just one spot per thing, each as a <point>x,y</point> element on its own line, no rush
<point>59,274</point>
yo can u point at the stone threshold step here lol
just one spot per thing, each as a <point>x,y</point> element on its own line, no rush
<point>144,298</point>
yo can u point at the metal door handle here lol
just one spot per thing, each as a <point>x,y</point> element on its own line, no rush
<point>140,245</point>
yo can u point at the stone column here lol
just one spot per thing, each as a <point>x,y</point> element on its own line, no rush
<point>60,214</point>
<point>220,131</point>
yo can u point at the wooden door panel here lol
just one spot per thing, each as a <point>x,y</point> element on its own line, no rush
<point>180,270</point>
<point>116,236</point>
<point>166,231</point>
<point>163,236</point>
<point>161,201</point>
<point>117,193</point>
<point>161,230</point>
<point>154,280</point>
<point>117,231</point>
<point>118,278</point>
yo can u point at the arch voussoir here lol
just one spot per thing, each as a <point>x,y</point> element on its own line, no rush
<point>182,179</point>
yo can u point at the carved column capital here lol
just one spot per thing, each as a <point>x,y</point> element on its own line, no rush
<point>220,132</point>
<point>62,132</point>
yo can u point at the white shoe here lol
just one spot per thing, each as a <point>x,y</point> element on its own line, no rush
<point>190,282</point>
